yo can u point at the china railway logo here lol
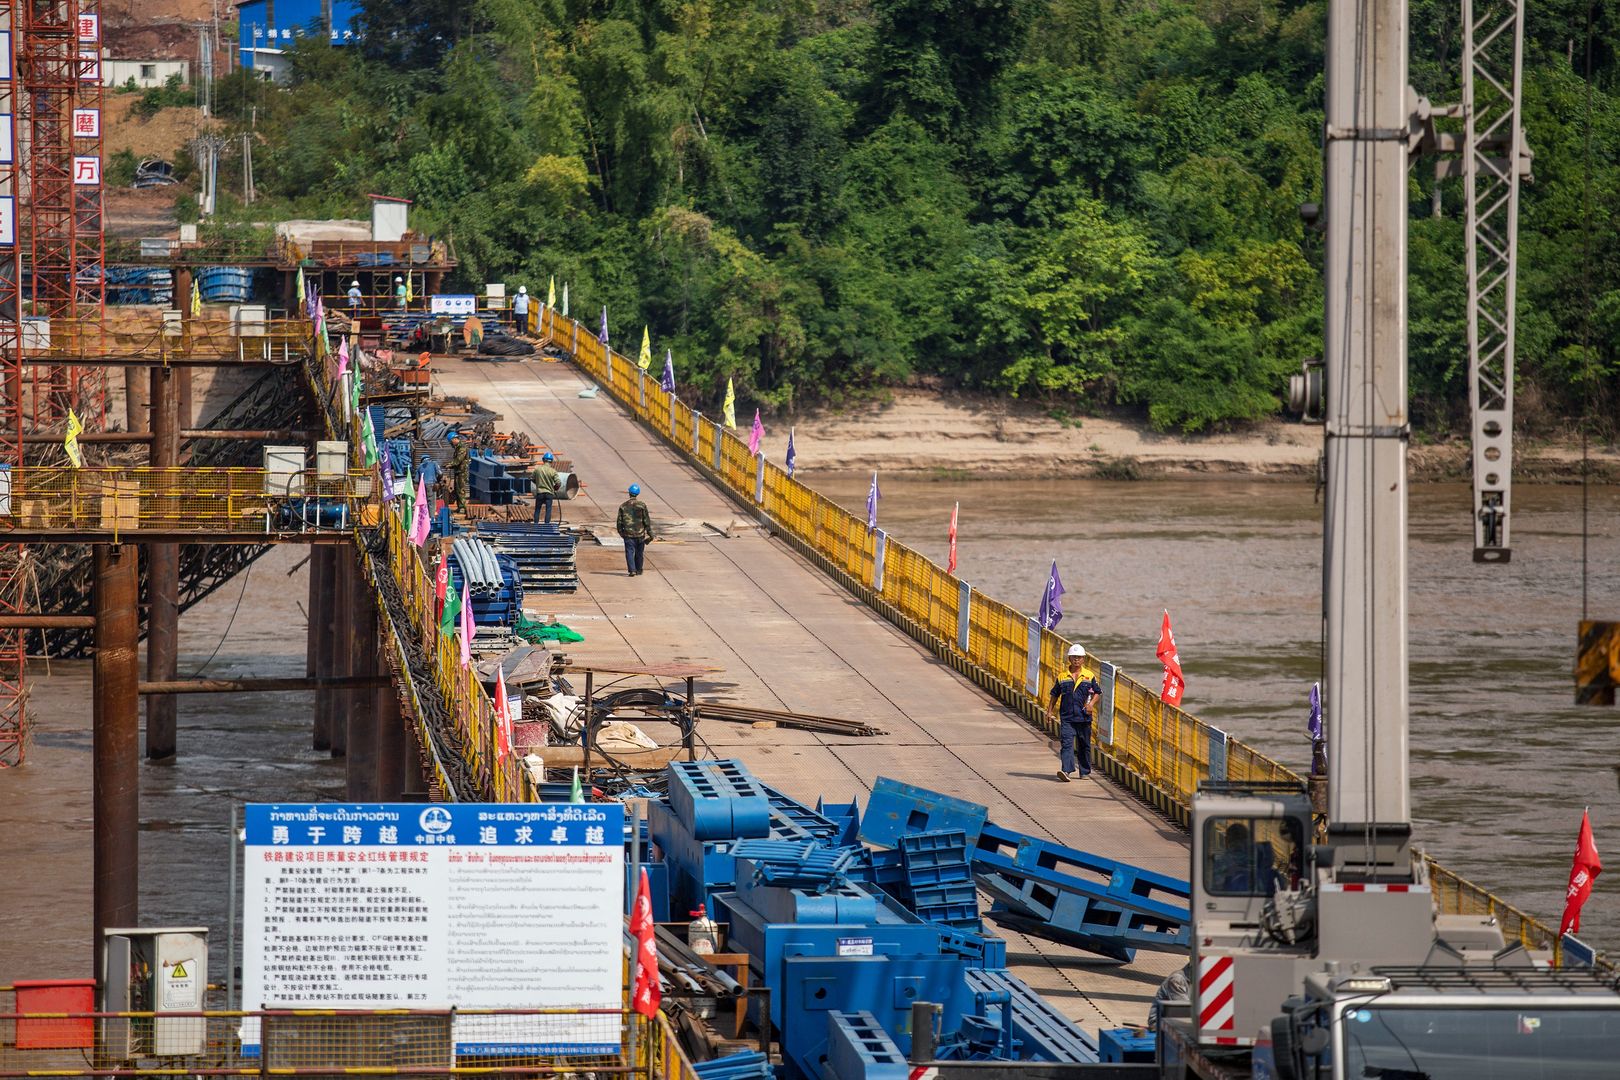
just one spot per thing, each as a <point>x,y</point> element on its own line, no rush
<point>435,820</point>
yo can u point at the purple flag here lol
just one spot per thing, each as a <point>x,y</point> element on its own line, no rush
<point>756,435</point>
<point>1314,724</point>
<point>387,475</point>
<point>421,518</point>
<point>603,337</point>
<point>792,458</point>
<point>872,497</point>
<point>467,630</point>
<point>668,381</point>
<point>1052,599</point>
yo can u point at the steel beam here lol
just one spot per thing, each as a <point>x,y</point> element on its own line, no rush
<point>163,582</point>
<point>317,647</point>
<point>264,685</point>
<point>361,764</point>
<point>116,742</point>
<point>337,657</point>
<point>23,621</point>
<point>50,438</point>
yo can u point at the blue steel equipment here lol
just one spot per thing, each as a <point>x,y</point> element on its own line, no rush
<point>847,938</point>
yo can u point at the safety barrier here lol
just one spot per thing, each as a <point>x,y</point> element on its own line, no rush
<point>1155,750</point>
<point>194,499</point>
<point>327,1042</point>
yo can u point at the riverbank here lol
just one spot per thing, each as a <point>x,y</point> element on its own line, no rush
<point>924,431</point>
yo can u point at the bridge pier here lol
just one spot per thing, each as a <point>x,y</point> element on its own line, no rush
<point>318,646</point>
<point>361,767</point>
<point>337,652</point>
<point>393,747</point>
<point>115,723</point>
<point>163,581</point>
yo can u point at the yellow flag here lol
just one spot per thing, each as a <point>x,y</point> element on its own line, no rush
<point>300,284</point>
<point>409,296</point>
<point>644,361</point>
<point>75,428</point>
<point>196,301</point>
<point>731,406</point>
<point>551,292</point>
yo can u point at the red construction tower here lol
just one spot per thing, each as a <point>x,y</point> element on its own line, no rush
<point>13,716</point>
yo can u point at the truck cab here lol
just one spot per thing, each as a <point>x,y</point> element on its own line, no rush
<point>1446,1023</point>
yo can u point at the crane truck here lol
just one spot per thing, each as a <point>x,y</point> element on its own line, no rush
<point>1322,956</point>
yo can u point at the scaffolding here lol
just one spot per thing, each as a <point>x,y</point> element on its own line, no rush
<point>13,694</point>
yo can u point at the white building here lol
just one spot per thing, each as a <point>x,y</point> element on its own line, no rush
<point>146,73</point>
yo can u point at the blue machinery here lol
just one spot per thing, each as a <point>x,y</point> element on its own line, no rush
<point>849,938</point>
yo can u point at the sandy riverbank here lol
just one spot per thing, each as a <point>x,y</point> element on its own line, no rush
<point>923,431</point>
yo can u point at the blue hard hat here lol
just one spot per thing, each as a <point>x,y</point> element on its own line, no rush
<point>635,489</point>
<point>547,456</point>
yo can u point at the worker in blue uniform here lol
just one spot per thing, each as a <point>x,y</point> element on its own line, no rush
<point>1073,704</point>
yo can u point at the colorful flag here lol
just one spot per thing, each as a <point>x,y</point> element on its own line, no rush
<point>196,301</point>
<point>387,475</point>
<point>343,356</point>
<point>950,560</point>
<point>75,428</point>
<point>667,383</point>
<point>441,589</point>
<point>565,299</point>
<point>1582,874</point>
<point>792,458</point>
<point>602,335</point>
<point>647,993</point>
<point>301,293</point>
<point>1314,724</point>
<point>729,413</point>
<point>354,390</point>
<point>450,613</point>
<point>368,439</point>
<point>575,792</point>
<point>756,435</point>
<point>503,716</point>
<point>872,497</point>
<point>421,516</point>
<point>551,291</point>
<point>1174,684</point>
<point>644,360</point>
<point>467,628</point>
<point>410,292</point>
<point>1051,612</point>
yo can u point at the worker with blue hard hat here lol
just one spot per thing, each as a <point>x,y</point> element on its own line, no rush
<point>635,527</point>
<point>547,486</point>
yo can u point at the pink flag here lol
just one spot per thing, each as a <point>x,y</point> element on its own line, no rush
<point>950,567</point>
<point>756,436</point>
<point>343,356</point>
<point>466,627</point>
<point>421,519</point>
<point>503,716</point>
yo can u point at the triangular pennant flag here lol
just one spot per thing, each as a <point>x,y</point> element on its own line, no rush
<point>467,628</point>
<point>729,413</point>
<point>756,435</point>
<point>551,292</point>
<point>792,459</point>
<point>421,516</point>
<point>575,792</point>
<point>196,301</point>
<point>503,716</point>
<point>343,356</point>
<point>565,299</point>
<point>75,428</point>
<point>644,360</point>
<point>301,293</point>
<point>667,383</point>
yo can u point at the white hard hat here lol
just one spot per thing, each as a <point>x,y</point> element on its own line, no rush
<point>1076,650</point>
<point>399,279</point>
<point>523,288</point>
<point>354,284</point>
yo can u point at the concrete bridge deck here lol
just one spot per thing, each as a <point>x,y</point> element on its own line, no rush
<point>785,636</point>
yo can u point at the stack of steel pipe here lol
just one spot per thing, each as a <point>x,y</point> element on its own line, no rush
<point>825,725</point>
<point>688,972</point>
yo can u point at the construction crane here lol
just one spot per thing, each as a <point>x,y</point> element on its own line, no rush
<point>1331,960</point>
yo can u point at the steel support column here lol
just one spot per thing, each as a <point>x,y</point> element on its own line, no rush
<point>393,747</point>
<point>116,742</point>
<point>163,582</point>
<point>318,647</point>
<point>362,712</point>
<point>337,663</point>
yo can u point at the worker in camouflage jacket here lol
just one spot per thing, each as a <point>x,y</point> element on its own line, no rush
<point>635,526</point>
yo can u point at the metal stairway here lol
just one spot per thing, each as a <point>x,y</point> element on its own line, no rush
<point>277,399</point>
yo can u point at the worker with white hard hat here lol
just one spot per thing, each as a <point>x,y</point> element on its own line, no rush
<point>520,308</point>
<point>1073,704</point>
<point>355,296</point>
<point>401,292</point>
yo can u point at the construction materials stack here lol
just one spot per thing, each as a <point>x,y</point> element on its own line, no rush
<point>852,922</point>
<point>542,553</point>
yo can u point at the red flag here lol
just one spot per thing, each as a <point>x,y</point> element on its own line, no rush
<point>1171,659</point>
<point>503,717</point>
<point>648,992</point>
<point>441,579</point>
<point>1581,875</point>
<point>950,566</point>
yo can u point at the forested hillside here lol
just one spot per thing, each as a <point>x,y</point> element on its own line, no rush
<point>1092,200</point>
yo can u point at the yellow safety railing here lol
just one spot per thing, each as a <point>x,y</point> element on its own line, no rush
<point>338,1042</point>
<point>1156,750</point>
<point>191,499</point>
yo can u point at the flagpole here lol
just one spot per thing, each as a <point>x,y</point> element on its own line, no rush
<point>635,951</point>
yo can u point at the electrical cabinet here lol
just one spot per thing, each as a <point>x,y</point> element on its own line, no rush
<point>159,970</point>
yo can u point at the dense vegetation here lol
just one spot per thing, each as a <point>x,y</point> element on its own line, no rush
<point>1090,200</point>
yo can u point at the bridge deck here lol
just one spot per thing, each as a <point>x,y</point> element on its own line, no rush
<point>787,637</point>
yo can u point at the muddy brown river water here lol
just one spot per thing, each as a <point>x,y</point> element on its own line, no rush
<point>1502,760</point>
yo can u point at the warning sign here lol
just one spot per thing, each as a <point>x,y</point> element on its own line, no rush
<point>179,990</point>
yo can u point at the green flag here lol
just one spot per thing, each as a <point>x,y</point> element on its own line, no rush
<point>354,391</point>
<point>452,612</point>
<point>576,793</point>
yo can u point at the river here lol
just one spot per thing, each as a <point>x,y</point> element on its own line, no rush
<point>1503,762</point>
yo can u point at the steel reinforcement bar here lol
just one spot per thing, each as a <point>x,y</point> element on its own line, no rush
<point>1156,751</point>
